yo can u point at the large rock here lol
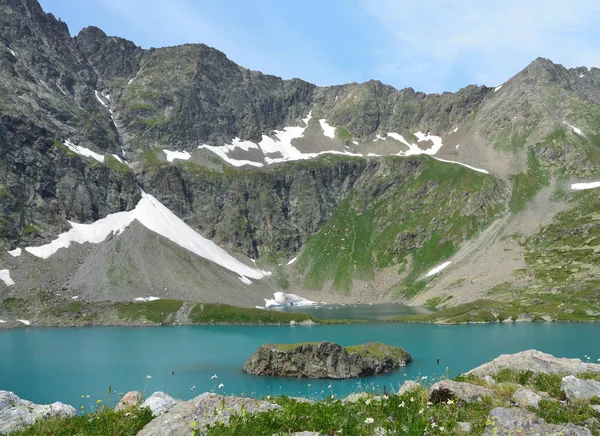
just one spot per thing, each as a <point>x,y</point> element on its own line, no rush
<point>444,390</point>
<point>408,386</point>
<point>577,389</point>
<point>196,415</point>
<point>16,413</point>
<point>526,398</point>
<point>505,422</point>
<point>159,403</point>
<point>130,399</point>
<point>325,360</point>
<point>536,361</point>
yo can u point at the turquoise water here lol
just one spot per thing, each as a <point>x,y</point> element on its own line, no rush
<point>47,365</point>
<point>356,311</point>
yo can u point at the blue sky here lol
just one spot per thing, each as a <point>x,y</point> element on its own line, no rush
<point>430,45</point>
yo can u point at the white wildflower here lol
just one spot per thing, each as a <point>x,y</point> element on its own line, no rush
<point>369,421</point>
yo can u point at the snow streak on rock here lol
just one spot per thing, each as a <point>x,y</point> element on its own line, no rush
<point>437,269</point>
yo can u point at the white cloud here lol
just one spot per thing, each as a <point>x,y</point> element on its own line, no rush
<point>434,41</point>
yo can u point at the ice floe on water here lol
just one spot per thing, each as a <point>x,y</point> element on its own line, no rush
<point>328,130</point>
<point>146,299</point>
<point>82,151</point>
<point>437,269</point>
<point>281,299</point>
<point>156,217</point>
<point>5,277</point>
<point>462,164</point>
<point>575,129</point>
<point>172,155</point>
<point>24,321</point>
<point>15,253</point>
<point>582,186</point>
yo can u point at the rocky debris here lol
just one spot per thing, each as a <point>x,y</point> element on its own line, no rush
<point>159,403</point>
<point>325,360</point>
<point>445,390</point>
<point>595,407</point>
<point>408,386</point>
<point>503,421</point>
<point>197,414</point>
<point>577,389</point>
<point>535,361</point>
<point>525,398</point>
<point>130,400</point>
<point>16,413</point>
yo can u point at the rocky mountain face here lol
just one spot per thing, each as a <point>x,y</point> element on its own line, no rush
<point>369,187</point>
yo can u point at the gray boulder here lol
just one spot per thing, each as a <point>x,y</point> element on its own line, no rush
<point>197,414</point>
<point>577,389</point>
<point>536,361</point>
<point>16,413</point>
<point>510,422</point>
<point>159,403</point>
<point>325,360</point>
<point>526,398</point>
<point>408,386</point>
<point>465,427</point>
<point>444,390</point>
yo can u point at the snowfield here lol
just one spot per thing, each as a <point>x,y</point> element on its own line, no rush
<point>5,277</point>
<point>581,186</point>
<point>157,218</point>
<point>437,269</point>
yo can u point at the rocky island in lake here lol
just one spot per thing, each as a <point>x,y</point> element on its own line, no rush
<point>325,360</point>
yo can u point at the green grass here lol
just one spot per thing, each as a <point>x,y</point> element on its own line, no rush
<point>371,349</point>
<point>343,135</point>
<point>155,311</point>
<point>104,422</point>
<point>213,313</point>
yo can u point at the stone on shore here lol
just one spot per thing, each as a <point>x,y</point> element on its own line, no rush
<point>16,413</point>
<point>187,417</point>
<point>515,421</point>
<point>577,389</point>
<point>445,390</point>
<point>535,361</point>
<point>325,360</point>
<point>130,400</point>
<point>159,403</point>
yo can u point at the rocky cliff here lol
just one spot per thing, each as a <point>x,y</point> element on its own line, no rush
<point>325,360</point>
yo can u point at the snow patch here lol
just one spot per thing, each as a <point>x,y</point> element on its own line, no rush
<point>24,321</point>
<point>413,149</point>
<point>437,269</point>
<point>119,159</point>
<point>581,76</point>
<point>575,129</point>
<point>457,145</point>
<point>292,261</point>
<point>172,155</point>
<point>16,252</point>
<point>97,94</point>
<point>12,52</point>
<point>146,299</point>
<point>130,80</point>
<point>82,151</point>
<point>281,299</point>
<point>327,129</point>
<point>156,217</point>
<point>463,164</point>
<point>60,88</point>
<point>75,297</point>
<point>5,277</point>
<point>373,155</point>
<point>245,280</point>
<point>355,142</point>
<point>222,153</point>
<point>2,321</point>
<point>582,186</point>
<point>455,130</point>
<point>379,137</point>
<point>497,88</point>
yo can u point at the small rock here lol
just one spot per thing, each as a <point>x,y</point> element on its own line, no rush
<point>595,407</point>
<point>465,427</point>
<point>16,414</point>
<point>580,389</point>
<point>292,322</point>
<point>505,422</point>
<point>130,400</point>
<point>159,403</point>
<point>408,386</point>
<point>525,398</point>
<point>489,379</point>
<point>444,390</point>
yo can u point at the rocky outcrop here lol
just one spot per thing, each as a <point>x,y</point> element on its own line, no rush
<point>505,422</point>
<point>535,361</point>
<point>196,415</point>
<point>525,398</point>
<point>16,413</point>
<point>159,403</point>
<point>577,389</point>
<point>446,390</point>
<point>325,360</point>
